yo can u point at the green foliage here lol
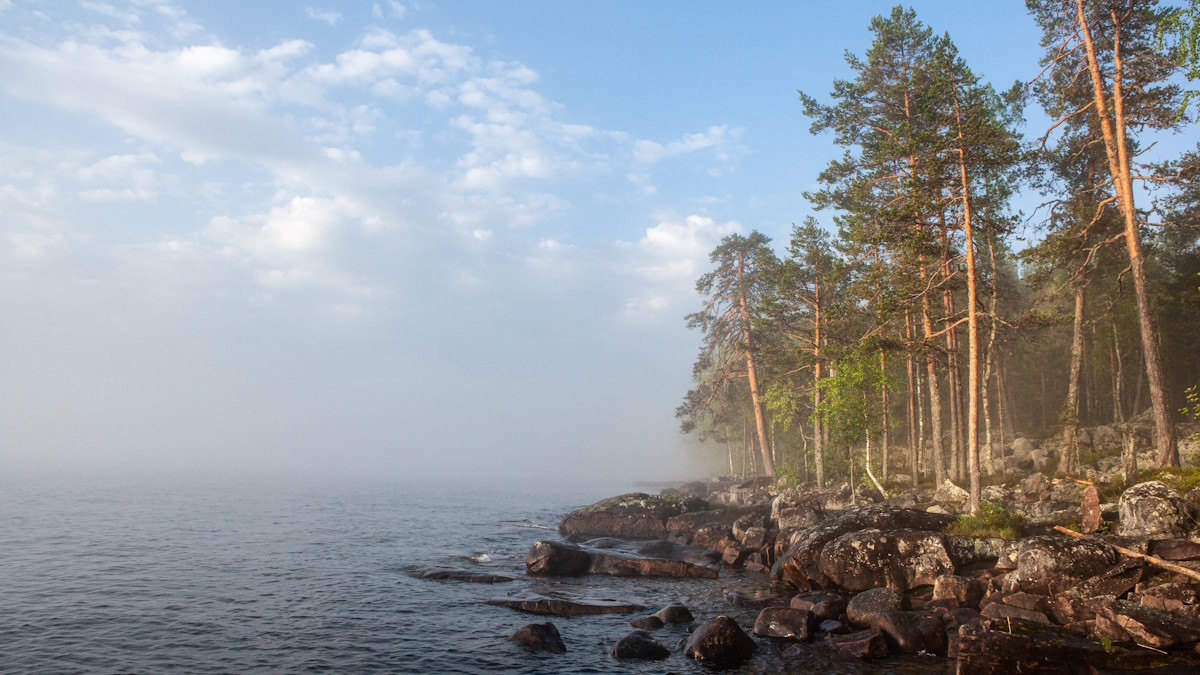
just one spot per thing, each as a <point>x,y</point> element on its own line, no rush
<point>1192,407</point>
<point>1106,643</point>
<point>1179,33</point>
<point>792,480</point>
<point>845,393</point>
<point>993,521</point>
<point>1182,479</point>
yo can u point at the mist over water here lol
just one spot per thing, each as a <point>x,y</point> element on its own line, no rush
<point>124,574</point>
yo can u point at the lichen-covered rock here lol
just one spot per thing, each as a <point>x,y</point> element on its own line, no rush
<point>539,637</point>
<point>1051,564</point>
<point>899,559</point>
<point>966,591</point>
<point>800,565</point>
<point>785,622</point>
<point>557,559</point>
<point>863,607</point>
<point>1152,509</point>
<point>639,645</point>
<point>793,508</point>
<point>720,643</point>
<point>949,493</point>
<point>634,515</point>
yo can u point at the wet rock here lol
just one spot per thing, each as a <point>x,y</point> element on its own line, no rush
<point>639,645</point>
<point>800,565</point>
<point>1041,650</point>
<point>1089,510</point>
<point>785,622</point>
<point>539,637</point>
<point>550,606</point>
<point>622,566</point>
<point>754,600</point>
<point>863,607</point>
<point>823,606</point>
<point>674,614</point>
<point>647,623</point>
<point>1154,510</point>
<point>1049,564</point>
<point>736,555</point>
<point>966,591</point>
<point>867,644</point>
<point>912,632</point>
<point>895,558</point>
<point>445,574</point>
<point>720,643</point>
<point>755,538</point>
<point>1156,628</point>
<point>832,626</point>
<point>634,515</point>
<point>743,525</point>
<point>1074,604</point>
<point>557,559</point>
<point>710,537</point>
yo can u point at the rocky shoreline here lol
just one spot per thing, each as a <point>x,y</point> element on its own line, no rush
<point>871,578</point>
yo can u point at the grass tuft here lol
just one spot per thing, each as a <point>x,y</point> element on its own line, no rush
<point>993,522</point>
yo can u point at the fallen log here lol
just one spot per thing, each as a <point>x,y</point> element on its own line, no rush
<point>1153,560</point>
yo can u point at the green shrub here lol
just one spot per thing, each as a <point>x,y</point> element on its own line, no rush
<point>993,521</point>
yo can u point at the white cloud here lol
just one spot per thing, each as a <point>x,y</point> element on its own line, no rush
<point>668,259</point>
<point>327,16</point>
<point>714,137</point>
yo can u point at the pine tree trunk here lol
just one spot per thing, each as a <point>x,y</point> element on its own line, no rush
<point>935,398</point>
<point>1114,355</point>
<point>1070,459</point>
<point>1117,151</point>
<point>985,459</point>
<point>972,324</point>
<point>956,464</point>
<point>883,394</point>
<point>752,376</point>
<point>912,398</point>
<point>922,460</point>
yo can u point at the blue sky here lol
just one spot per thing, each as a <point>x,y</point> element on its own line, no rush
<point>395,239</point>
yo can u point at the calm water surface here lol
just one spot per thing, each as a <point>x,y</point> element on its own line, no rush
<point>121,576</point>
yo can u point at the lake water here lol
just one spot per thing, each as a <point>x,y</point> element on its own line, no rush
<point>123,576</point>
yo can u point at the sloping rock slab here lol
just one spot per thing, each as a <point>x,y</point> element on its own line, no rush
<point>912,632</point>
<point>1152,627</point>
<point>635,515</point>
<point>447,574</point>
<point>548,606</point>
<point>800,565</point>
<point>693,520</point>
<point>900,559</point>
<point>622,566</point>
<point>1050,564</point>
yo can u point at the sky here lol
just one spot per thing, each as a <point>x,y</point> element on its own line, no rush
<point>405,240</point>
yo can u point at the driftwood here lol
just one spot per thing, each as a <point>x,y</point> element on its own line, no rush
<point>1157,562</point>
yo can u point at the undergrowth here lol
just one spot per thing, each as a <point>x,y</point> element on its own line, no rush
<point>992,522</point>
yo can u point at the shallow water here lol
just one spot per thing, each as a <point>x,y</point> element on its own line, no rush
<point>123,576</point>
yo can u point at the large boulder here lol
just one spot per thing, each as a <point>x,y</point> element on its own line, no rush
<point>720,643</point>
<point>639,645</point>
<point>635,515</point>
<point>539,637</point>
<point>900,559</point>
<point>557,559</point>
<point>1153,509</point>
<point>862,608</point>
<point>674,614</point>
<point>949,493</point>
<point>1052,564</point>
<point>794,509</point>
<point>800,564</point>
<point>692,520</point>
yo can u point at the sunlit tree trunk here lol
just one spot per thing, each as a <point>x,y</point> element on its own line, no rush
<point>1116,149</point>
<point>935,398</point>
<point>1070,458</point>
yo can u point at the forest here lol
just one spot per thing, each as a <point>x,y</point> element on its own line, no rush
<point>922,329</point>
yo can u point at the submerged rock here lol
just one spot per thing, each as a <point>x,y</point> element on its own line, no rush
<point>721,643</point>
<point>540,604</point>
<point>539,637</point>
<point>674,614</point>
<point>446,574</point>
<point>639,645</point>
<point>867,644</point>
